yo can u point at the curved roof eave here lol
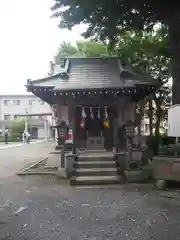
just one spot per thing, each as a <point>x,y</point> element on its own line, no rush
<point>31,82</point>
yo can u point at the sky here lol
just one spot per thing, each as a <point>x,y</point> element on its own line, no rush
<point>29,40</point>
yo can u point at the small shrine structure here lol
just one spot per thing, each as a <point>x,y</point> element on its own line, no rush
<point>96,97</point>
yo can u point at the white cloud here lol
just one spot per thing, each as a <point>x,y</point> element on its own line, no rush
<point>29,40</point>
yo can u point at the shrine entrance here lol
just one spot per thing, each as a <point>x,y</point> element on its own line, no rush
<point>93,128</point>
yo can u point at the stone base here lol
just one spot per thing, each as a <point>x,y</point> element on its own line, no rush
<point>161,184</point>
<point>136,176</point>
<point>67,147</point>
<point>57,147</point>
<point>62,173</point>
<point>53,161</point>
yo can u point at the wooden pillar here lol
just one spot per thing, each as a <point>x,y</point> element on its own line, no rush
<point>74,128</point>
<point>116,134</point>
<point>120,105</point>
<point>57,119</point>
<point>72,121</point>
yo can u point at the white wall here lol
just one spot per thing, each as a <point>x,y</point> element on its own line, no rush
<point>37,107</point>
<point>41,133</point>
<point>174,121</point>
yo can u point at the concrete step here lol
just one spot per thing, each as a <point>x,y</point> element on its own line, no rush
<point>94,159</point>
<point>95,172</point>
<point>96,169</point>
<point>96,164</point>
<point>95,180</point>
<point>97,153</point>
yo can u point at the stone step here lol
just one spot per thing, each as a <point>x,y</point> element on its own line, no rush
<point>96,169</point>
<point>96,164</point>
<point>96,172</point>
<point>95,159</point>
<point>95,180</point>
<point>98,153</point>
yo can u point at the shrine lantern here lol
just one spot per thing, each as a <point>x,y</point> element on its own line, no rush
<point>62,131</point>
<point>130,130</point>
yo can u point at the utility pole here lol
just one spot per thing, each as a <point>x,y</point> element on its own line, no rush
<point>26,121</point>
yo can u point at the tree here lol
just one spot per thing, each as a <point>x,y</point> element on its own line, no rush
<point>82,49</point>
<point>108,19</point>
<point>92,49</point>
<point>65,49</point>
<point>141,51</point>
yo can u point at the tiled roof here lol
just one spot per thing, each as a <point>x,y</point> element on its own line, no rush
<point>92,73</point>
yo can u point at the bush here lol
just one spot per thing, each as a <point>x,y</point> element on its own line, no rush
<point>170,150</point>
<point>17,126</point>
<point>153,143</point>
<point>165,140</point>
<point>11,139</point>
<point>162,143</point>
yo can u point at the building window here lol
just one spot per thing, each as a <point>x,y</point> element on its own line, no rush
<point>16,102</point>
<point>7,117</point>
<point>41,102</point>
<point>6,102</point>
<point>31,102</point>
<point>41,117</point>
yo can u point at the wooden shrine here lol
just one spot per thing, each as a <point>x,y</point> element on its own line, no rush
<point>96,97</point>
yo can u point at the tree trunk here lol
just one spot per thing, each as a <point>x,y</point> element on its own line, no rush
<point>150,118</point>
<point>139,120</point>
<point>157,126</point>
<point>174,41</point>
<point>158,121</point>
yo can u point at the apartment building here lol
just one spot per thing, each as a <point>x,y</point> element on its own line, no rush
<point>37,113</point>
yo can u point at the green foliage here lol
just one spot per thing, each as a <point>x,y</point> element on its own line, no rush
<point>91,49</point>
<point>142,51</point>
<point>65,49</point>
<point>165,140</point>
<point>11,139</point>
<point>107,21</point>
<point>170,150</point>
<point>82,49</point>
<point>17,127</point>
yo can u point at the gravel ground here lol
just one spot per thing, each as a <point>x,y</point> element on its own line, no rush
<point>43,208</point>
<point>47,208</point>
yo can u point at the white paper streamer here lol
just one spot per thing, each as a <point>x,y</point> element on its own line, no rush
<point>106,114</point>
<point>91,113</point>
<point>99,114</point>
<point>83,113</point>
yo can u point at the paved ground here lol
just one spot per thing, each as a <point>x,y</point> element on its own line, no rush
<point>14,158</point>
<point>17,144</point>
<point>45,208</point>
